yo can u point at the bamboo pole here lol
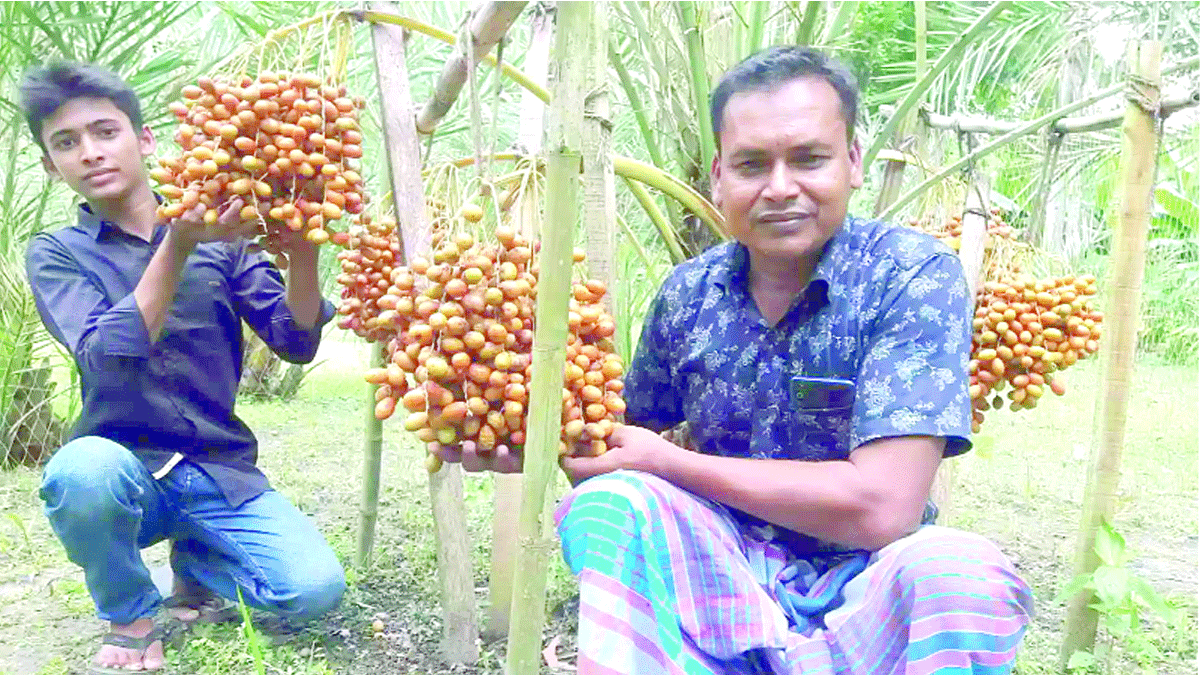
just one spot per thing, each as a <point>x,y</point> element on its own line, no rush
<point>1020,131</point>
<point>1139,149</point>
<point>599,200</point>
<point>1068,125</point>
<point>922,85</point>
<point>698,68</point>
<point>488,24</point>
<point>550,337</point>
<point>368,510</point>
<point>893,173</point>
<point>970,252</point>
<point>648,174</point>
<point>445,487</point>
<point>506,488</point>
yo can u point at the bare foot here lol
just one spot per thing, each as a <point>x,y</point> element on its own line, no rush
<point>118,657</point>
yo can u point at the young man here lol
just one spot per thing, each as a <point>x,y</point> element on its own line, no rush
<point>820,362</point>
<point>151,313</point>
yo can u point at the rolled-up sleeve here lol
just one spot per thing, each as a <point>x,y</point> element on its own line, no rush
<point>99,334</point>
<point>260,297</point>
<point>913,380</point>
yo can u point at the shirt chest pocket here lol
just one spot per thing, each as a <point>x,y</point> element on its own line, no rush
<point>821,432</point>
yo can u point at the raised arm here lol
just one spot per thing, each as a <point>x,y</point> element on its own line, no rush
<point>287,316</point>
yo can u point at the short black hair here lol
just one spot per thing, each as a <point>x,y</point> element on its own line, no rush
<point>776,66</point>
<point>47,88</point>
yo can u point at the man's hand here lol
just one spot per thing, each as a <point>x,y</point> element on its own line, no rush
<point>629,447</point>
<point>295,245</point>
<point>501,459</point>
<point>190,229</point>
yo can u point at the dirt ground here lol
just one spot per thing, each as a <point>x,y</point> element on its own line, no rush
<point>1022,486</point>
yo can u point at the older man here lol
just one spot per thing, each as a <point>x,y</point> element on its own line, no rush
<point>820,363</point>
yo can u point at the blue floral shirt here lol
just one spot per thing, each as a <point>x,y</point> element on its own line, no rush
<point>887,308</point>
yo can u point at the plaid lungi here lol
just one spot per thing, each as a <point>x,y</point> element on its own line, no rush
<point>672,583</point>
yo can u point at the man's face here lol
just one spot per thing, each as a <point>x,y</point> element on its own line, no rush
<point>784,170</point>
<point>93,147</point>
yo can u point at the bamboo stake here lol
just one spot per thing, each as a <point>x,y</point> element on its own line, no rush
<point>506,488</point>
<point>368,509</point>
<point>1139,147</point>
<point>550,338</point>
<point>698,68</point>
<point>970,252</point>
<point>488,25</point>
<point>893,173</point>
<point>599,199</point>
<point>445,487</point>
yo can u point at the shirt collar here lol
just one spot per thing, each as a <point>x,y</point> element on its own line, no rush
<point>93,224</point>
<point>737,265</point>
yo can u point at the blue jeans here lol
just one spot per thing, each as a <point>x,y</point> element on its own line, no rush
<point>105,507</point>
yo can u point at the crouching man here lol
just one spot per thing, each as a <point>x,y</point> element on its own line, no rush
<point>820,364</point>
<point>151,312</point>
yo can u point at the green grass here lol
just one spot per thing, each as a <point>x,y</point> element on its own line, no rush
<point>1020,486</point>
<point>1023,485</point>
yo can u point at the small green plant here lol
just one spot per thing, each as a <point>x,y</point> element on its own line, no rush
<point>1121,598</point>
<point>252,638</point>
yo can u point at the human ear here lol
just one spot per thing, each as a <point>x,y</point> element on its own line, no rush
<point>147,142</point>
<point>856,164</point>
<point>714,179</point>
<point>48,165</point>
